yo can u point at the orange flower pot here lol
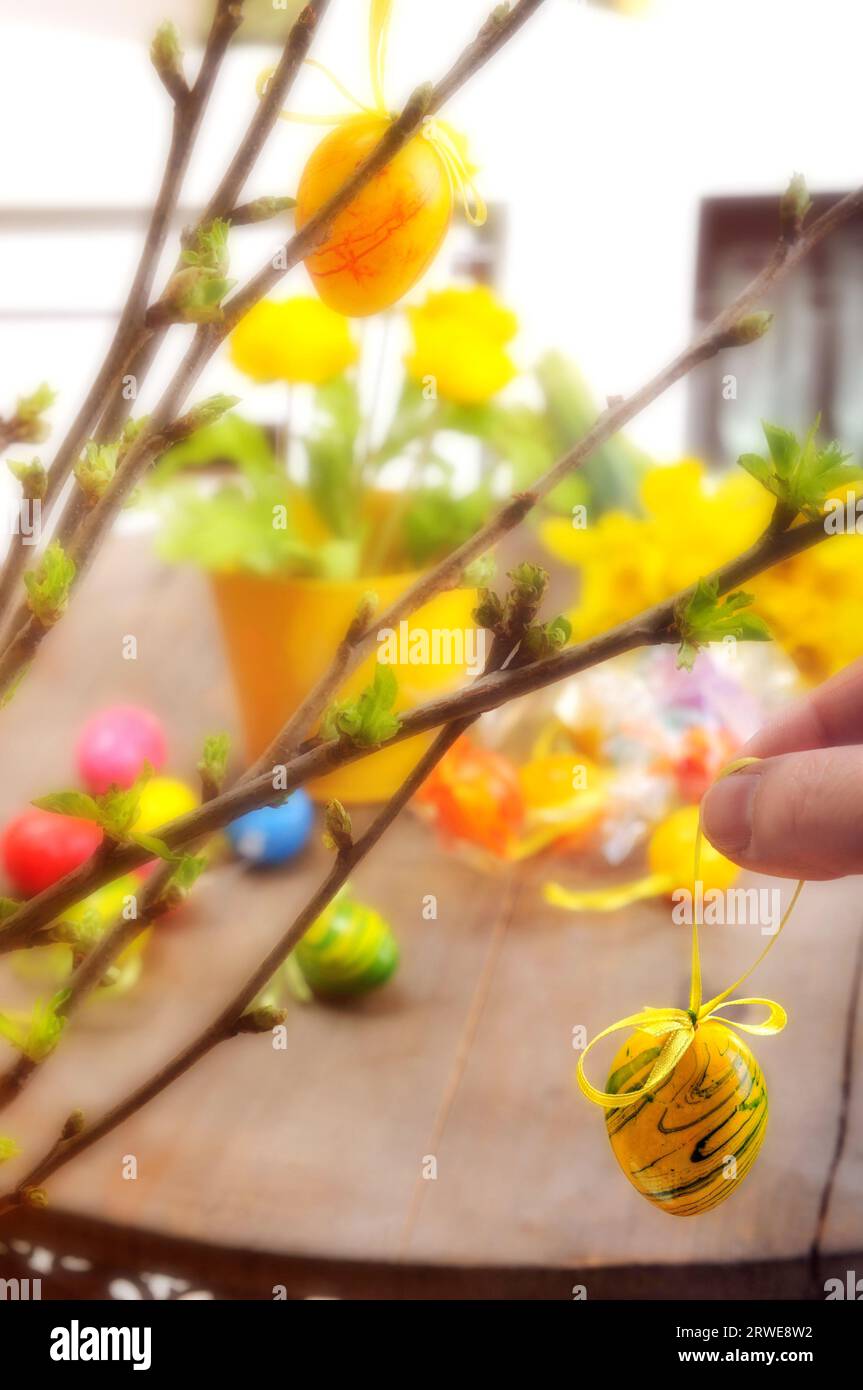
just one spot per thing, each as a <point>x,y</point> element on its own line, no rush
<point>280,636</point>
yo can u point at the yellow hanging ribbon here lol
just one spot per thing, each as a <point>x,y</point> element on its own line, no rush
<point>437,132</point>
<point>678,1026</point>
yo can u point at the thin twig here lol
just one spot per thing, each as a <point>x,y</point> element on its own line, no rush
<point>131,334</point>
<point>720,334</point>
<point>144,346</point>
<point>653,626</point>
<point>494,33</point>
<point>226,1024</point>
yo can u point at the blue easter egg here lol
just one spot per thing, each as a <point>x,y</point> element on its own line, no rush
<point>273,834</point>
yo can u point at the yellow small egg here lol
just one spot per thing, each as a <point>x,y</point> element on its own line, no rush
<point>672,848</point>
<point>688,1146</point>
<point>380,244</point>
<point>162,800</point>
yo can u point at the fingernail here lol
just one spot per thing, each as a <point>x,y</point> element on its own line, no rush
<point>727,811</point>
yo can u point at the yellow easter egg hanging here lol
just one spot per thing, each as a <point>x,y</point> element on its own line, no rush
<point>688,1146</point>
<point>388,235</point>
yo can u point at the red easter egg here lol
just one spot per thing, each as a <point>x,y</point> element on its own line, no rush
<point>40,847</point>
<point>116,743</point>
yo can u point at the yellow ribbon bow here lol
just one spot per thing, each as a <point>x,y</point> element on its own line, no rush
<point>678,1026</point>
<point>450,146</point>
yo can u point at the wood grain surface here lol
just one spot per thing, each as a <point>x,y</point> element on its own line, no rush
<point>315,1153</point>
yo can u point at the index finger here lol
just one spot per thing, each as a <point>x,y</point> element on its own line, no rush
<point>828,717</point>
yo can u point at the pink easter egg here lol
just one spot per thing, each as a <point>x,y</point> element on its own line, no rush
<point>116,743</point>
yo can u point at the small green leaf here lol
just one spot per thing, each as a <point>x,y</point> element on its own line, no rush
<point>8,908</point>
<point>49,584</point>
<point>154,846</point>
<point>185,876</point>
<point>705,618</point>
<point>368,720</point>
<point>119,807</point>
<point>36,1034</point>
<point>801,475</point>
<point>77,804</point>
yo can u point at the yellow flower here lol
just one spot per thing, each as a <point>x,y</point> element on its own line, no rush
<point>460,338</point>
<point>690,527</point>
<point>295,340</point>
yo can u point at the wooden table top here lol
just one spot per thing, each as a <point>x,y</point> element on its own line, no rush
<point>313,1155</point>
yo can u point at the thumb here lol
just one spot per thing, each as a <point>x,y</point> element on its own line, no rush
<point>797,816</point>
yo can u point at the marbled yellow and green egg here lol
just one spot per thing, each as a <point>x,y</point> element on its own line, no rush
<point>676,1146</point>
<point>348,950</point>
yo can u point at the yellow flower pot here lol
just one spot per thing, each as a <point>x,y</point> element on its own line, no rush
<point>281,635</point>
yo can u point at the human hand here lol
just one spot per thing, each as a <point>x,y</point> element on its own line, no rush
<point>799,813</point>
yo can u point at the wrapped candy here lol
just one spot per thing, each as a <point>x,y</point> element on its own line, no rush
<point>475,795</point>
<point>670,856</point>
<point>349,950</point>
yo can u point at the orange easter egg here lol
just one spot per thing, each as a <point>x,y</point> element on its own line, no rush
<point>388,235</point>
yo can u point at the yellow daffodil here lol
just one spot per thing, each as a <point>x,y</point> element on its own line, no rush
<point>460,338</point>
<point>692,525</point>
<point>295,340</point>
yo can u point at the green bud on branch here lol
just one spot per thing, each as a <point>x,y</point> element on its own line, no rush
<point>338,831</point>
<point>544,639</point>
<point>32,476</point>
<point>74,1125</point>
<point>259,210</point>
<point>166,56</point>
<point>27,425</point>
<point>48,586</point>
<point>366,609</point>
<point>748,329</point>
<point>213,764</point>
<point>793,208</point>
<point>260,1020</point>
<point>95,471</point>
<point>368,720</point>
